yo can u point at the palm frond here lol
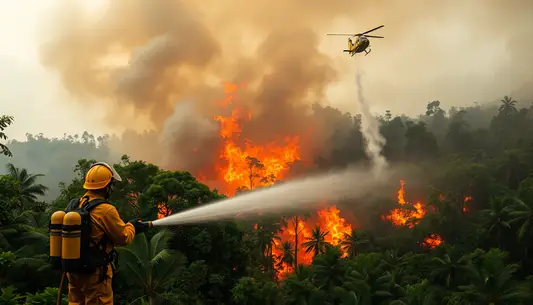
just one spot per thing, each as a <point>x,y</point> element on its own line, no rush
<point>168,268</point>
<point>141,247</point>
<point>159,241</point>
<point>129,255</point>
<point>133,270</point>
<point>160,257</point>
<point>12,170</point>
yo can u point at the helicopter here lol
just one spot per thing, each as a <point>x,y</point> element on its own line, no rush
<point>361,42</point>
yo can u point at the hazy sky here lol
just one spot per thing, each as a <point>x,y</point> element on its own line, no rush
<point>455,51</point>
<point>31,94</point>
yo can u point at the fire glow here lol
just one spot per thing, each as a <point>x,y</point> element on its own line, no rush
<point>249,165</point>
<point>409,217</point>
<point>244,165</point>
<point>328,220</point>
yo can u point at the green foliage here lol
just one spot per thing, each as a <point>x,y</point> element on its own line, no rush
<point>46,297</point>
<point>149,265</point>
<point>5,121</point>
<point>476,153</point>
<point>9,297</point>
<point>56,157</point>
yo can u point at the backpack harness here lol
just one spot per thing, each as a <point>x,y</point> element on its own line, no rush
<point>91,255</point>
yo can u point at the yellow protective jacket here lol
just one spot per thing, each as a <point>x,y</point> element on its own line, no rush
<point>89,289</point>
<point>106,220</point>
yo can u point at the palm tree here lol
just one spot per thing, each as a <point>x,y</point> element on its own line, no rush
<point>495,217</point>
<point>265,238</point>
<point>150,265</point>
<point>329,269</point>
<point>316,243</point>
<point>450,265</point>
<point>351,242</point>
<point>492,285</point>
<point>15,231</point>
<point>527,289</point>
<point>298,228</point>
<point>513,166</point>
<point>28,189</point>
<point>287,256</point>
<point>522,215</point>
<point>429,297</point>
<point>17,234</point>
<point>393,260</point>
<point>373,285</point>
<point>508,105</point>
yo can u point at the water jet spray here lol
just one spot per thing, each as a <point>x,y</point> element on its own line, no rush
<point>355,184</point>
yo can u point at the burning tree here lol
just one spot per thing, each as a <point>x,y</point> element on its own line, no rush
<point>286,243</point>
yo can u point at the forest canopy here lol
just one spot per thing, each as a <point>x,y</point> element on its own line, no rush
<point>461,234</point>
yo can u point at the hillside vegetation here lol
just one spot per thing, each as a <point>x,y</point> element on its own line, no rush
<point>485,257</point>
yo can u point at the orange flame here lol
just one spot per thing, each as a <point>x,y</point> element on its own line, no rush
<point>247,164</point>
<point>400,216</point>
<point>288,234</point>
<point>328,219</point>
<point>334,224</point>
<point>410,218</point>
<point>465,204</point>
<point>162,211</point>
<point>432,241</point>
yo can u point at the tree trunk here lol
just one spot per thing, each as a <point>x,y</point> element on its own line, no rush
<point>526,250</point>
<point>296,222</point>
<point>508,176</point>
<point>499,236</point>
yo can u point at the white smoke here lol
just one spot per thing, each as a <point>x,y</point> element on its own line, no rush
<point>370,129</point>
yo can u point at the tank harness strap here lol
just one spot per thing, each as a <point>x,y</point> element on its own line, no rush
<point>110,259</point>
<point>89,205</point>
<point>73,204</point>
<point>102,244</point>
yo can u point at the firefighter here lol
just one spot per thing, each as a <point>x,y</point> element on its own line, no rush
<point>107,230</point>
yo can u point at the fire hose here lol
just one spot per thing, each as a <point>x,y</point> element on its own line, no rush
<point>60,288</point>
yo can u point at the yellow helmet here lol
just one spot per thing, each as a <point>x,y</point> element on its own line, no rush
<point>99,175</point>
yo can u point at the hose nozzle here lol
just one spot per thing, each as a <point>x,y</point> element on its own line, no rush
<point>149,223</point>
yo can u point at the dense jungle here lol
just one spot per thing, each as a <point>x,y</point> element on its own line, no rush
<point>466,239</point>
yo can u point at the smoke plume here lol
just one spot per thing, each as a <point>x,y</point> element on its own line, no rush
<point>370,129</point>
<point>142,59</point>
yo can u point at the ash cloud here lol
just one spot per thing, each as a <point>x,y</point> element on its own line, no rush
<point>195,139</point>
<point>149,56</point>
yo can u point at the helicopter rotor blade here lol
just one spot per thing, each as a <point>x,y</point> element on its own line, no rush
<point>342,34</point>
<point>372,36</point>
<point>372,30</point>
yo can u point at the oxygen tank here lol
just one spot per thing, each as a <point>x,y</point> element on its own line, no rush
<point>71,237</point>
<point>56,223</point>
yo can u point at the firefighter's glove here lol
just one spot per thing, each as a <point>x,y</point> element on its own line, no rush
<point>140,227</point>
